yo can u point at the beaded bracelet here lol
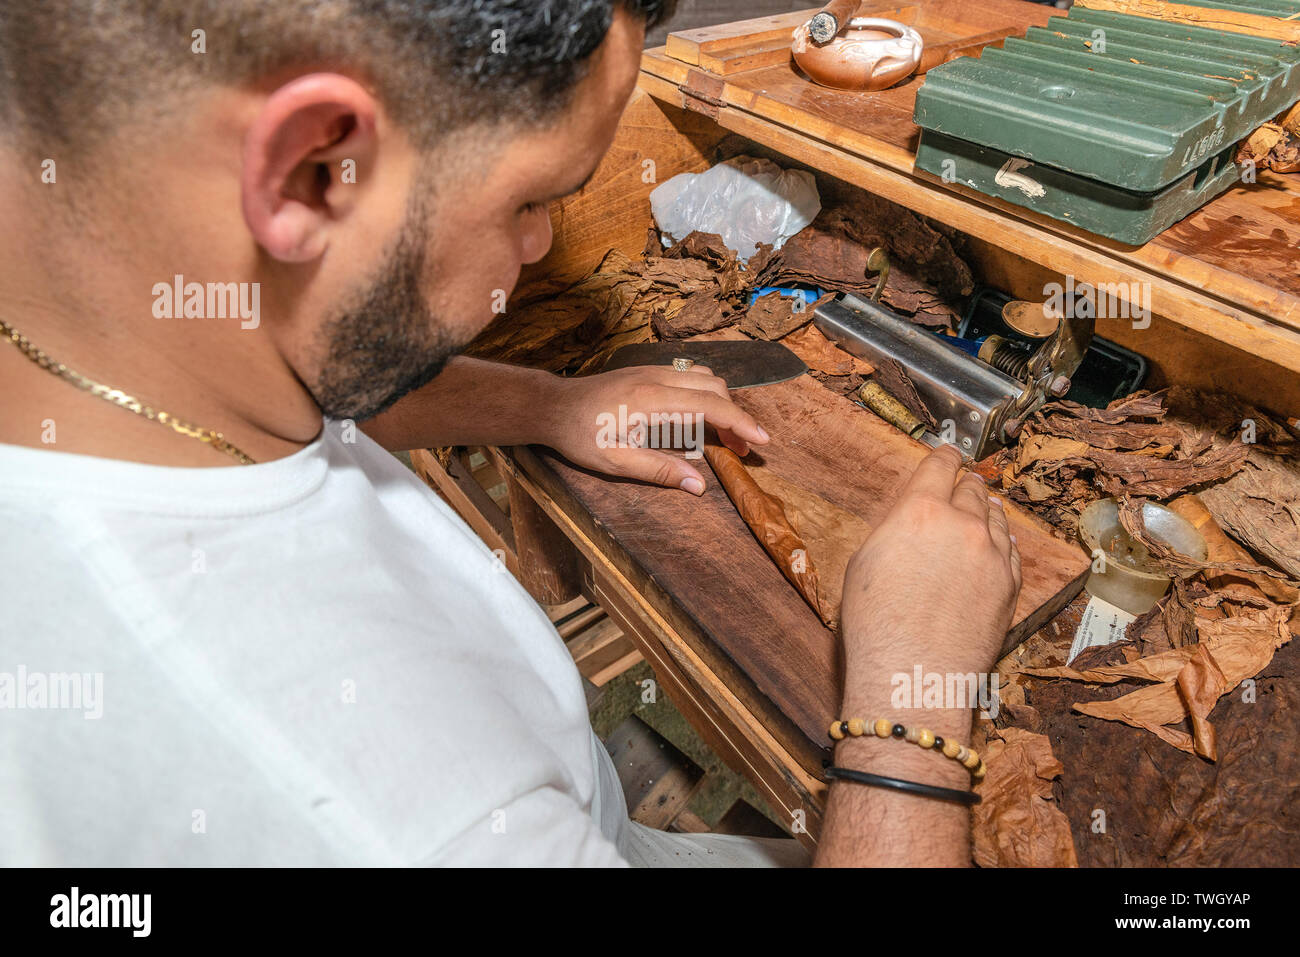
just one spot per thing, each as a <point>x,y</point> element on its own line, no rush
<point>922,737</point>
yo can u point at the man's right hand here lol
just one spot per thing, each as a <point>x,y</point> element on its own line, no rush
<point>934,587</point>
<point>936,583</point>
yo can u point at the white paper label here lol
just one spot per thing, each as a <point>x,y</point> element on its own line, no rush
<point>1102,624</point>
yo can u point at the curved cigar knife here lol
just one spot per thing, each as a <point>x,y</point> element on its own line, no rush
<point>741,363</point>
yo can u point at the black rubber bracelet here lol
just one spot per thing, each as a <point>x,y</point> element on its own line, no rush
<point>907,787</point>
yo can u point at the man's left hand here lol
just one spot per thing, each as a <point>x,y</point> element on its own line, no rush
<point>590,423</point>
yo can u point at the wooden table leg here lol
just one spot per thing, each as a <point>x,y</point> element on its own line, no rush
<point>549,566</point>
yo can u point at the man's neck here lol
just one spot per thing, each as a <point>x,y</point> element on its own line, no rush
<point>92,302</point>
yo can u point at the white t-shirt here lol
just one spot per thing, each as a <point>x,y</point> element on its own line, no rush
<point>308,661</point>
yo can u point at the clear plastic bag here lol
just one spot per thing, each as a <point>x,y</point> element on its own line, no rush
<point>746,201</point>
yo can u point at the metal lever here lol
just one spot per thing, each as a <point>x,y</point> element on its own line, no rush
<point>1048,371</point>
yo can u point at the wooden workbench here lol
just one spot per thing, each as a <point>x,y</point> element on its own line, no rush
<point>1225,287</point>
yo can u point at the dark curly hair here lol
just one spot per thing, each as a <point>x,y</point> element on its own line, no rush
<point>71,70</point>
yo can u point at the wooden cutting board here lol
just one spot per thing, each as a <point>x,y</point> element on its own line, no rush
<point>699,563</point>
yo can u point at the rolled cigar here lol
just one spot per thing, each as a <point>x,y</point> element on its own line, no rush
<point>823,27</point>
<point>766,517</point>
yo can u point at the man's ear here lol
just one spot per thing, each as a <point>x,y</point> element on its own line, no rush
<point>292,181</point>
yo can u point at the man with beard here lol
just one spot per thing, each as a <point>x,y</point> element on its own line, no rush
<point>306,658</point>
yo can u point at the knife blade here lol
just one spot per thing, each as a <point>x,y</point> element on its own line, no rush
<point>740,363</point>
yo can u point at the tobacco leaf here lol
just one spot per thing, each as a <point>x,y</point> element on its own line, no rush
<point>1260,507</point>
<point>1165,558</point>
<point>1256,147</point>
<point>773,316</point>
<point>1146,633</point>
<point>1243,585</point>
<point>698,313</point>
<point>893,378</point>
<point>1222,418</point>
<point>821,355</point>
<point>681,275</point>
<point>579,326</point>
<point>840,384</point>
<point>1229,651</point>
<point>1153,445</point>
<point>1290,120</point>
<point>831,536</point>
<point>1139,405</point>
<point>926,274</point>
<point>810,539</point>
<point>653,243</point>
<point>1133,473</point>
<point>1165,807</point>
<point>1178,616</point>
<point>731,276</point>
<point>1018,822</point>
<point>1272,147</point>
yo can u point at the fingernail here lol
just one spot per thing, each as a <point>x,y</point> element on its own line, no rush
<point>762,433</point>
<point>693,485</point>
<point>995,500</point>
<point>1014,540</point>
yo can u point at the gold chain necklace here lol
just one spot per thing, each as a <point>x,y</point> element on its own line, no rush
<point>120,398</point>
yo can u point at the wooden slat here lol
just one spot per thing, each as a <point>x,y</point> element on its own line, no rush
<point>602,652</point>
<point>658,780</point>
<point>687,822</point>
<point>738,736</point>
<point>688,45</point>
<point>547,563</point>
<point>580,621</point>
<point>559,612</point>
<point>1233,21</point>
<point>471,503</point>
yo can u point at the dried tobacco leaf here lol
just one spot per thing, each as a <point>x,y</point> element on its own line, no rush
<point>831,535</point>
<point>1017,822</point>
<point>1272,147</point>
<point>698,313</point>
<point>773,316</point>
<point>1229,651</point>
<point>926,274</point>
<point>1260,507</point>
<point>1172,562</point>
<point>1243,585</point>
<point>798,529</point>
<point>1069,455</point>
<point>821,355</point>
<point>731,276</point>
<point>893,378</point>
<point>1169,808</point>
